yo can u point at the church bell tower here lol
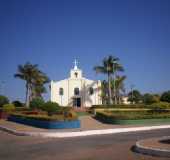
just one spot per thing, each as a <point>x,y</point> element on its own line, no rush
<point>76,73</point>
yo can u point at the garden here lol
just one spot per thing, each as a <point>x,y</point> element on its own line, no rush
<point>133,114</point>
<point>41,114</point>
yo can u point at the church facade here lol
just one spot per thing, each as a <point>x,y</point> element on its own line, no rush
<point>76,91</point>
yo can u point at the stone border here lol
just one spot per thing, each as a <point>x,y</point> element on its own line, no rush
<point>150,150</point>
<point>82,133</point>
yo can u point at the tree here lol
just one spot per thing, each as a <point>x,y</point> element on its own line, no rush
<point>149,98</point>
<point>38,84</point>
<point>134,96</point>
<point>17,103</point>
<point>104,92</point>
<point>35,80</point>
<point>165,97</point>
<point>37,103</point>
<point>119,87</point>
<point>26,72</point>
<point>109,67</point>
<point>3,100</point>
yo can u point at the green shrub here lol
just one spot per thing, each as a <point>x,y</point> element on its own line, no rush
<point>51,108</point>
<point>37,103</point>
<point>22,108</point>
<point>120,106</point>
<point>166,97</point>
<point>136,98</point>
<point>131,115</point>
<point>160,105</point>
<point>150,99</point>
<point>8,108</point>
<point>3,100</point>
<point>44,117</point>
<point>17,104</point>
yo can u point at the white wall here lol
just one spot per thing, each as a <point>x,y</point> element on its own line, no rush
<point>68,86</point>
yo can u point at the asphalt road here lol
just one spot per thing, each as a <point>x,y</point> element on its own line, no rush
<point>107,147</point>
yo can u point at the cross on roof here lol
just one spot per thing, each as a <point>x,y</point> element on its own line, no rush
<point>75,64</point>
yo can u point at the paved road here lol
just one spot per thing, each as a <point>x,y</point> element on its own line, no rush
<point>107,147</point>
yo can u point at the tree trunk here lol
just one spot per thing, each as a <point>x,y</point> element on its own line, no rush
<point>114,89</point>
<point>110,91</point>
<point>29,95</point>
<point>26,96</point>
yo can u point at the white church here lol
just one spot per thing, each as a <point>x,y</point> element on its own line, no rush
<point>76,91</point>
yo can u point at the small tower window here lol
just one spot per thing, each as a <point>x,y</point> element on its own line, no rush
<point>91,91</point>
<point>76,91</point>
<point>76,74</point>
<point>61,91</point>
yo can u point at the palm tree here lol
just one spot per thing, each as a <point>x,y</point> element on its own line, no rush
<point>117,67</point>
<point>38,84</point>
<point>26,73</point>
<point>119,87</point>
<point>35,80</point>
<point>110,66</point>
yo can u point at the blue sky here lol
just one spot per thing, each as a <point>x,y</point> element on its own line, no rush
<point>52,33</point>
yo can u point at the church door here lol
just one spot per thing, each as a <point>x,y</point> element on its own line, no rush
<point>77,102</point>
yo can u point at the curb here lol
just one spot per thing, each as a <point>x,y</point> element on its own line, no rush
<point>151,151</point>
<point>11,131</point>
<point>83,133</point>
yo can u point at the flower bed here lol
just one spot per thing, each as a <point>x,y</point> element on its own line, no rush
<point>3,115</point>
<point>45,121</point>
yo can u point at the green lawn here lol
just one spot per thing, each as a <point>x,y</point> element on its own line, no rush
<point>83,113</point>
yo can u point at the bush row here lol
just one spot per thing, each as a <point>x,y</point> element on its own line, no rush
<point>129,115</point>
<point>120,106</point>
<point>70,116</point>
<point>159,105</point>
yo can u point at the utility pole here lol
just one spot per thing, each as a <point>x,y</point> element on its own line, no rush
<point>132,88</point>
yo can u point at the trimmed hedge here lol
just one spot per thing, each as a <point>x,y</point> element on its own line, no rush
<point>132,115</point>
<point>120,106</point>
<point>51,108</point>
<point>8,108</point>
<point>160,105</point>
<point>70,116</point>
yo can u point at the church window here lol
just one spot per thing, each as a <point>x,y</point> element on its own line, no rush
<point>61,91</point>
<point>91,91</point>
<point>76,91</point>
<point>76,74</point>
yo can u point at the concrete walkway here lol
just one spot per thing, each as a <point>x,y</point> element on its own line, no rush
<point>89,123</point>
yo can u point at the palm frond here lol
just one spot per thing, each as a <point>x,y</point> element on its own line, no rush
<point>100,69</point>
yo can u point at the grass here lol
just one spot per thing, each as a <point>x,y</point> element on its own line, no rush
<point>83,114</point>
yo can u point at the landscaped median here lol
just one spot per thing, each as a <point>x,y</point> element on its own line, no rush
<point>133,116</point>
<point>40,120</point>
